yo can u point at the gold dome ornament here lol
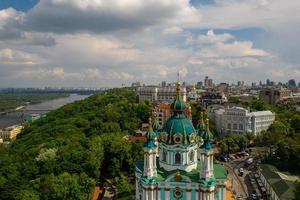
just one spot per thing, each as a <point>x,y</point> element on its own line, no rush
<point>193,137</point>
<point>178,177</point>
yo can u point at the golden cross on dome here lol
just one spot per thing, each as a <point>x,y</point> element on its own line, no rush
<point>177,86</point>
<point>207,123</point>
<point>150,124</point>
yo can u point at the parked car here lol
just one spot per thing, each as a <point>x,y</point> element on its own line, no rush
<point>223,158</point>
<point>232,157</point>
<point>241,171</point>
<point>254,196</point>
<point>249,161</point>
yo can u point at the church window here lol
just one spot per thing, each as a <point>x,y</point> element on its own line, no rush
<point>229,126</point>
<point>177,138</point>
<point>191,156</point>
<point>164,156</point>
<point>177,193</point>
<point>177,158</point>
<point>241,126</point>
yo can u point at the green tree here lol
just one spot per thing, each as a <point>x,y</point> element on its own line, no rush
<point>95,157</point>
<point>295,123</point>
<point>297,191</point>
<point>124,185</point>
<point>259,105</point>
<point>279,127</point>
<point>27,195</point>
<point>66,186</point>
<point>241,141</point>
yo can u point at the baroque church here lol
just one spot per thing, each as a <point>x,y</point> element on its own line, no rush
<point>178,160</point>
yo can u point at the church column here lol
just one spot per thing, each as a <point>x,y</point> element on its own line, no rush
<point>137,194</point>
<point>157,193</point>
<point>167,191</point>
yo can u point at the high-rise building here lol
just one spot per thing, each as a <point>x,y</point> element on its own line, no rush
<point>292,83</point>
<point>273,95</point>
<point>199,85</point>
<point>179,161</point>
<point>208,83</point>
<point>240,83</point>
<point>136,84</point>
<point>268,82</point>
<point>163,84</point>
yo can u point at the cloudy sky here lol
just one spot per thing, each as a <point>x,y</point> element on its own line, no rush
<point>109,42</point>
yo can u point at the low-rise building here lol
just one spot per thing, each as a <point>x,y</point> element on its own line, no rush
<point>279,185</point>
<point>159,94</point>
<point>238,120</point>
<point>193,94</point>
<point>10,133</point>
<point>164,112</point>
<point>209,98</point>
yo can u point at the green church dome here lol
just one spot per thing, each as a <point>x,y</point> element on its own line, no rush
<point>178,129</point>
<point>178,105</point>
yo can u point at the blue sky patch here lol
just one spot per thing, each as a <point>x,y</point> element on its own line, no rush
<point>20,5</point>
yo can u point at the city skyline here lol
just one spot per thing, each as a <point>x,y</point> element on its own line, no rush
<point>62,43</point>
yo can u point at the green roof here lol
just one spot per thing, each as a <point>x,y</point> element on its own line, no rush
<point>284,189</point>
<point>220,171</point>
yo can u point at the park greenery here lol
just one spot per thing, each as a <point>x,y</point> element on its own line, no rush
<point>13,100</point>
<point>63,155</point>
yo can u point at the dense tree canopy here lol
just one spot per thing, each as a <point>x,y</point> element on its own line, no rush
<point>63,155</point>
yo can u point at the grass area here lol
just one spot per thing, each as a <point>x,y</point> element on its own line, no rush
<point>13,100</point>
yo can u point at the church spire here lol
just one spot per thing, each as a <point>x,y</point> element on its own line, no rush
<point>151,135</point>
<point>150,152</point>
<point>207,137</point>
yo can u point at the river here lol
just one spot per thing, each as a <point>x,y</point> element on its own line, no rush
<point>41,108</point>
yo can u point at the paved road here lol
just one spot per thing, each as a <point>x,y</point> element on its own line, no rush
<point>238,185</point>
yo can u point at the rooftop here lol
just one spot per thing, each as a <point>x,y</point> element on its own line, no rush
<point>281,182</point>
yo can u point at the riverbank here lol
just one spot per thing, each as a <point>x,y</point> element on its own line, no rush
<point>12,101</point>
<point>18,116</point>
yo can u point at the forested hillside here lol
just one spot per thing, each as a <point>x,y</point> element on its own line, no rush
<point>63,155</point>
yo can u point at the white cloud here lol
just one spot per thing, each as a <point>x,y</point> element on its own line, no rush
<point>93,73</point>
<point>172,30</point>
<point>235,49</point>
<point>108,42</point>
<point>249,13</point>
<point>211,37</point>
<point>10,56</point>
<point>43,73</point>
<point>64,16</point>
